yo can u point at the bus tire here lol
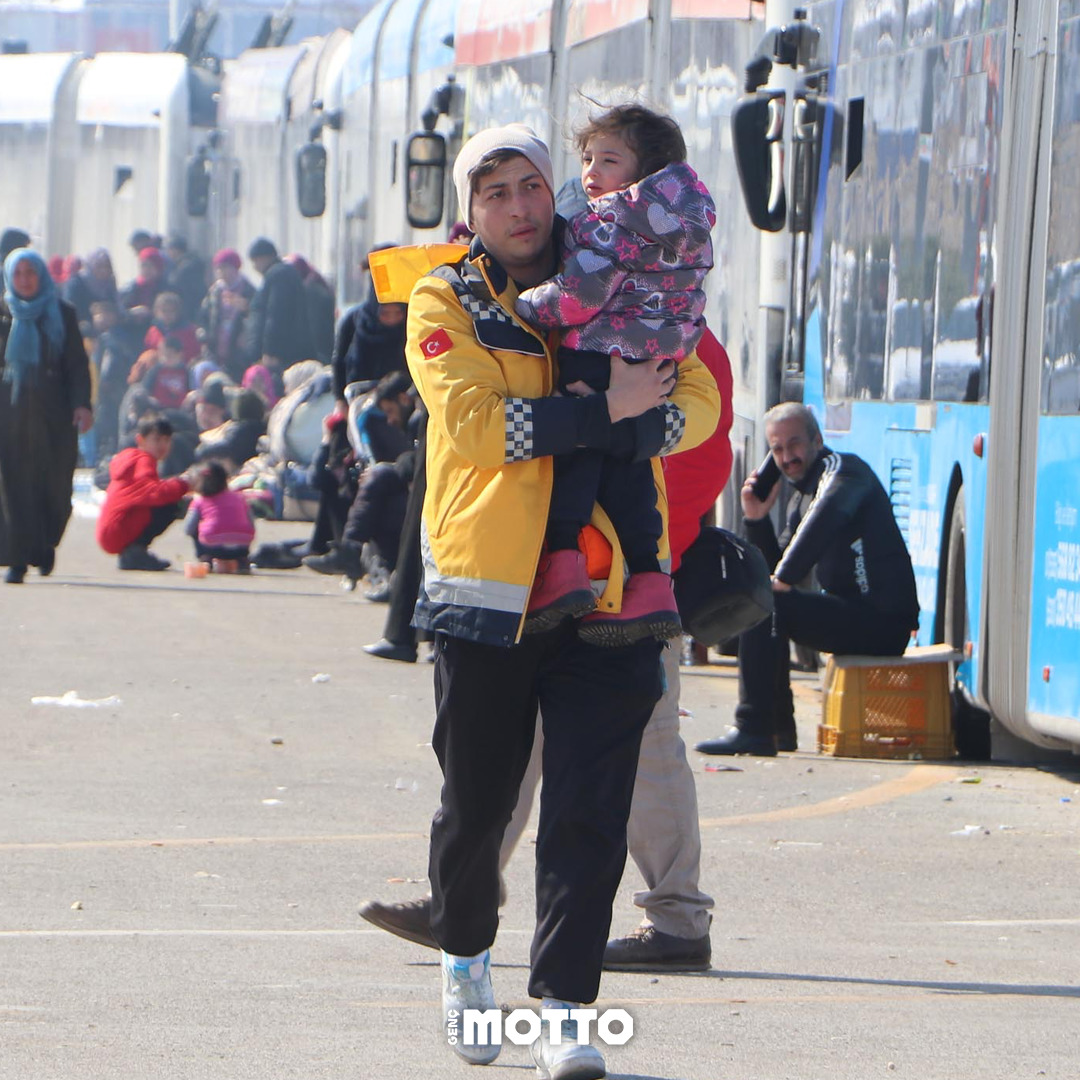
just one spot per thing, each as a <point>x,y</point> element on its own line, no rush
<point>971,725</point>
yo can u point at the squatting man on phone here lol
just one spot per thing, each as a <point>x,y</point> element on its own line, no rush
<point>840,523</point>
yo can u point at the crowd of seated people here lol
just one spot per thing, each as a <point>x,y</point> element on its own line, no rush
<point>189,360</point>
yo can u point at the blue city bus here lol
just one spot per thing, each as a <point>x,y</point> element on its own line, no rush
<point>922,171</point>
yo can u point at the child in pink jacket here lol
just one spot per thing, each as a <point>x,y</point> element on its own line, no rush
<point>634,264</point>
<point>218,519</point>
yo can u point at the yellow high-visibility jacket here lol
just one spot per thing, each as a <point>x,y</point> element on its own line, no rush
<point>487,379</point>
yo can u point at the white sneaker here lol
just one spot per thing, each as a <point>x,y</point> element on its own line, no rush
<point>567,1059</point>
<point>467,985</point>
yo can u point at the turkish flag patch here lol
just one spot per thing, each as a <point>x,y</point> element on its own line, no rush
<point>436,344</point>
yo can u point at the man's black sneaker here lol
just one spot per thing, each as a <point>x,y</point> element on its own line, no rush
<point>647,949</point>
<point>410,919</point>
<point>340,559</point>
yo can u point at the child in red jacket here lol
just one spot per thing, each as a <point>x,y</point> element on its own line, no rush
<point>139,505</point>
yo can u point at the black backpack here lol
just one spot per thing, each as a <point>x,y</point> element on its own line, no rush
<point>722,587</point>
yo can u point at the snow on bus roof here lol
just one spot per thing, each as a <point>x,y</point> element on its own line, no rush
<point>31,82</point>
<point>129,89</point>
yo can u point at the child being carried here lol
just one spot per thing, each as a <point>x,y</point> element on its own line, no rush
<point>634,262</point>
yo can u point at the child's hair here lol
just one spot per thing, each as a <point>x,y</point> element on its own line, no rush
<point>655,139</point>
<point>173,343</point>
<point>154,424</point>
<point>212,479</point>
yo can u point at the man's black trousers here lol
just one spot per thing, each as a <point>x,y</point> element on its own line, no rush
<point>595,703</point>
<point>822,621</point>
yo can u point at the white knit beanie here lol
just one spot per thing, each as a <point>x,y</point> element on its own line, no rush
<point>510,137</point>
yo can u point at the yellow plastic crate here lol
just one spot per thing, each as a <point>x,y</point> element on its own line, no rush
<point>888,708</point>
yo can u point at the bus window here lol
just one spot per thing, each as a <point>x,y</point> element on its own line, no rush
<point>956,354</point>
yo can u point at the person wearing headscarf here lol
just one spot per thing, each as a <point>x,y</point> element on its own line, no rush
<point>94,283</point>
<point>10,239</point>
<point>44,406</point>
<point>369,344</point>
<point>223,313</point>
<point>320,307</point>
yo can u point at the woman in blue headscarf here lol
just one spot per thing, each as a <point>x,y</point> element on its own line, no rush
<point>44,404</point>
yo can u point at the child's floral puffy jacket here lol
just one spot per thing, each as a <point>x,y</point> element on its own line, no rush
<point>634,265</point>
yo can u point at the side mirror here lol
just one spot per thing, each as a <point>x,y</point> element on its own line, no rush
<point>197,186</point>
<point>757,125</point>
<point>311,179</point>
<point>425,179</point>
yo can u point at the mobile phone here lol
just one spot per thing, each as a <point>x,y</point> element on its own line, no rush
<point>767,474</point>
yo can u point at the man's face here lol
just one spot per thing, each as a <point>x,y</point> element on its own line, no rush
<point>792,448</point>
<point>512,213</point>
<point>397,410</point>
<point>261,263</point>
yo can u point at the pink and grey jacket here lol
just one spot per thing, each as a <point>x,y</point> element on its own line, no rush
<point>633,267</point>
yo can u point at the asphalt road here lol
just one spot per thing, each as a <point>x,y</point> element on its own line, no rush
<point>180,869</point>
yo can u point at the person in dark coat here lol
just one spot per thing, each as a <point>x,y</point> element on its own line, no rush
<point>375,518</point>
<point>94,283</point>
<point>186,276</point>
<point>137,297</point>
<point>116,348</point>
<point>44,405</point>
<point>320,307</point>
<point>280,334</point>
<point>224,313</point>
<point>369,344</point>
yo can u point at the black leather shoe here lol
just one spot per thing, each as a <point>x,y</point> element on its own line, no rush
<point>15,575</point>
<point>410,920</point>
<point>647,949</point>
<point>48,562</point>
<point>387,650</point>
<point>787,742</point>
<point>739,742</point>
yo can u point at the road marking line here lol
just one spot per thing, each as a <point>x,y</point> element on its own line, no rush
<point>917,779</point>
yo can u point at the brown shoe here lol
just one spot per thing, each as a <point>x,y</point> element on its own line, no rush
<point>410,919</point>
<point>647,949</point>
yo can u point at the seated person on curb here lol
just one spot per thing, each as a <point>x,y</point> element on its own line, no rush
<point>494,426</point>
<point>227,434</point>
<point>166,381</point>
<point>218,519</point>
<point>376,518</point>
<point>839,521</point>
<point>139,505</point>
<point>383,421</point>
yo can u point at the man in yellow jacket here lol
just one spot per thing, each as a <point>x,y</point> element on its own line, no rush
<point>487,380</point>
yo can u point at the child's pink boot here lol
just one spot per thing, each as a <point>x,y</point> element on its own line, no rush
<point>561,591</point>
<point>648,610</point>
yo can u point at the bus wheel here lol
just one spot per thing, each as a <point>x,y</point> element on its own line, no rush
<point>971,725</point>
